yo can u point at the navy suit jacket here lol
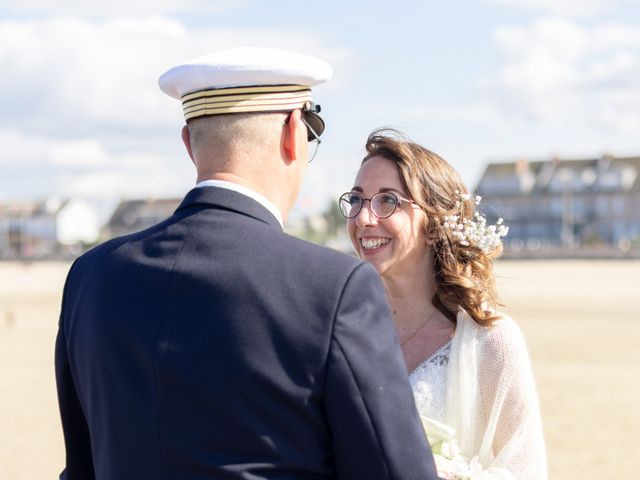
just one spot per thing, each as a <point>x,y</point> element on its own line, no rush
<point>213,345</point>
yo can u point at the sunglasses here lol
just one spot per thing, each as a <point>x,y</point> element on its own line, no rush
<point>315,126</point>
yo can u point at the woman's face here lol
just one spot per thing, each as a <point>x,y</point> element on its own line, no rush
<point>393,245</point>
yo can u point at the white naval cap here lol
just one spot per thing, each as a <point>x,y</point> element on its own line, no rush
<point>247,79</point>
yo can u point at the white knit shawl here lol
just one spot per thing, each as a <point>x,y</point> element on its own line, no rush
<point>491,399</point>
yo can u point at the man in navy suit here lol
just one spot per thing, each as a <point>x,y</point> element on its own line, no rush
<point>213,345</point>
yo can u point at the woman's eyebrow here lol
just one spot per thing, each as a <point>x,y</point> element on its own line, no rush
<point>380,190</point>
<point>388,189</point>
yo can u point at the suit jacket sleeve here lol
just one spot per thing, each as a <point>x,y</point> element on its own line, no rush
<point>376,430</point>
<point>79,463</point>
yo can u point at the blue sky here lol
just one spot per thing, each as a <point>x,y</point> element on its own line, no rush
<point>475,81</point>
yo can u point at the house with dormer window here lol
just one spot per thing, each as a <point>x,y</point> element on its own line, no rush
<point>565,202</point>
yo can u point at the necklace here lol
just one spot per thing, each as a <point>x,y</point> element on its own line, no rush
<point>424,324</point>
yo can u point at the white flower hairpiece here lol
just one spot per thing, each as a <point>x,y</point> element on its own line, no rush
<point>474,233</point>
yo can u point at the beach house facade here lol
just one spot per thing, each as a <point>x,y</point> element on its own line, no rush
<point>565,202</point>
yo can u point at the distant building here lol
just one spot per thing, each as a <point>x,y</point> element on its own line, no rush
<point>135,215</point>
<point>565,202</point>
<point>50,228</point>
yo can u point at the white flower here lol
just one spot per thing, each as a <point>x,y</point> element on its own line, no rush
<point>475,232</point>
<point>436,431</point>
<point>450,462</point>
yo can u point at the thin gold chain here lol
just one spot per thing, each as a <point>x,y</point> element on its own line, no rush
<point>404,342</point>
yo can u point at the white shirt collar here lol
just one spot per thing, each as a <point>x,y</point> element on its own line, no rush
<point>246,192</point>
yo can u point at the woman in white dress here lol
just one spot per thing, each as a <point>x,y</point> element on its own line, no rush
<point>410,216</point>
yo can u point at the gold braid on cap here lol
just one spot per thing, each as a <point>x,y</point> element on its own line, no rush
<point>219,101</point>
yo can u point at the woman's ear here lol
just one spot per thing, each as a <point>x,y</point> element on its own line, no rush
<point>294,129</point>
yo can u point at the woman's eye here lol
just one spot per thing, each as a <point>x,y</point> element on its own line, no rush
<point>389,200</point>
<point>355,200</point>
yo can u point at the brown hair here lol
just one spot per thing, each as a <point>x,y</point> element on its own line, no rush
<point>464,274</point>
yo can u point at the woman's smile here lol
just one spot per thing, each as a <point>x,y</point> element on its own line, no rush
<point>373,244</point>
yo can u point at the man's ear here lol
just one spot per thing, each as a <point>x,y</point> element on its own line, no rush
<point>186,139</point>
<point>292,141</point>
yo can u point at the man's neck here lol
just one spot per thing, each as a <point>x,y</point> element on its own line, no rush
<point>255,187</point>
<point>233,178</point>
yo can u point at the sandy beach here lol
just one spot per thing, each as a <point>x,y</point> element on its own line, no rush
<point>581,320</point>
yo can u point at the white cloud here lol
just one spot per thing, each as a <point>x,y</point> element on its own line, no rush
<point>73,74</point>
<point>133,176</point>
<point>76,75</point>
<point>81,110</point>
<point>474,113</point>
<point>36,166</point>
<point>75,153</point>
<point>114,8</point>
<point>573,8</point>
<point>37,152</point>
<point>559,72</point>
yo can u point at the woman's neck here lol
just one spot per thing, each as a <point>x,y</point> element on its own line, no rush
<point>410,294</point>
<point>421,328</point>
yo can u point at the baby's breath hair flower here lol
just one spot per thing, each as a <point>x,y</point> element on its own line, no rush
<point>476,232</point>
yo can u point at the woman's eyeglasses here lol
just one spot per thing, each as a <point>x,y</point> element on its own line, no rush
<point>382,204</point>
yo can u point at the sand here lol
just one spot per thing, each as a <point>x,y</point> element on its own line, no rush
<point>581,321</point>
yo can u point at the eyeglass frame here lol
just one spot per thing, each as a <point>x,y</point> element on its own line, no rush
<point>398,198</point>
<point>315,137</point>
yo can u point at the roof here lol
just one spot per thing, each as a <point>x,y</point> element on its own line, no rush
<point>140,213</point>
<point>49,206</point>
<point>523,176</point>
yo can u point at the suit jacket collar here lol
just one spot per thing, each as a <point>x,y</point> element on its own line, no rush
<point>213,197</point>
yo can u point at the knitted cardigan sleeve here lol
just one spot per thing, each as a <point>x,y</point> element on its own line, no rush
<point>492,401</point>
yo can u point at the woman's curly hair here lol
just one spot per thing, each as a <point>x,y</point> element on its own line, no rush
<point>464,274</point>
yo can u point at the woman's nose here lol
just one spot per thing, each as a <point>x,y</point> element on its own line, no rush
<point>365,217</point>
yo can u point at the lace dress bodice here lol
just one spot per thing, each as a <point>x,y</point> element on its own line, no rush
<point>429,383</point>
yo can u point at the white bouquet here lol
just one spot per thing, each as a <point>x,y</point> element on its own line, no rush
<point>450,462</point>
